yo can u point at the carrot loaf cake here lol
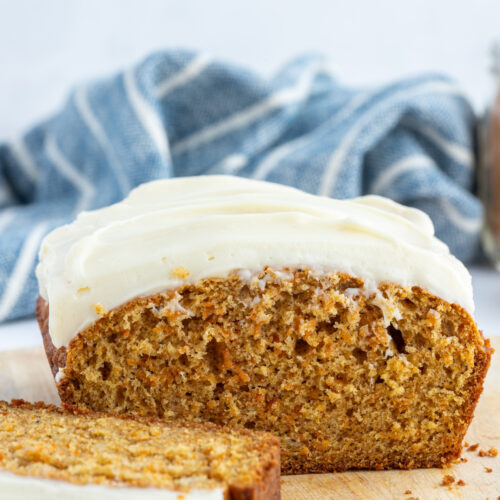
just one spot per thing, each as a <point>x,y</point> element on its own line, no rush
<point>47,452</point>
<point>344,327</point>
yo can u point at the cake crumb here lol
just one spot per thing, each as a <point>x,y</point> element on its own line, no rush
<point>181,272</point>
<point>433,314</point>
<point>100,310</point>
<point>447,480</point>
<point>408,492</point>
<point>492,452</point>
<point>488,469</point>
<point>461,482</point>
<point>473,447</point>
<point>466,444</point>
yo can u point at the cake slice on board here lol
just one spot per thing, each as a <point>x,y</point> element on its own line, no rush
<point>47,452</point>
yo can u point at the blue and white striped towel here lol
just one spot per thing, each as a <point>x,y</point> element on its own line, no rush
<point>179,113</point>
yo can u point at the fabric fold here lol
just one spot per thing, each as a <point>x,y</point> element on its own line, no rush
<point>180,113</point>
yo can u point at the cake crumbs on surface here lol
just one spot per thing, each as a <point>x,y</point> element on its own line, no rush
<point>466,444</point>
<point>408,492</point>
<point>181,272</point>
<point>492,452</point>
<point>83,289</point>
<point>473,447</point>
<point>461,482</point>
<point>488,469</point>
<point>447,480</point>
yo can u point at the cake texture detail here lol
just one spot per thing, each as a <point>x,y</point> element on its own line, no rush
<point>346,377</point>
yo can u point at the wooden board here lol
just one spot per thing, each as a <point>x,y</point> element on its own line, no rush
<point>25,374</point>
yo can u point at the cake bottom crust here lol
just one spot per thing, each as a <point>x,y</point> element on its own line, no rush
<point>347,377</point>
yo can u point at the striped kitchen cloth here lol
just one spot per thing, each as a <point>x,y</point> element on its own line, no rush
<point>179,113</point>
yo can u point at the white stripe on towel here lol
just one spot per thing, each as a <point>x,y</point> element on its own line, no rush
<point>70,172</point>
<point>20,273</point>
<point>248,115</point>
<point>268,164</point>
<point>146,114</point>
<point>230,165</point>
<point>192,69</point>
<point>24,159</point>
<point>455,151</point>
<point>83,106</point>
<point>329,177</point>
<point>403,165</point>
<point>465,223</point>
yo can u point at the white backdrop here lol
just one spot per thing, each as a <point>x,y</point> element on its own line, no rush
<point>48,46</point>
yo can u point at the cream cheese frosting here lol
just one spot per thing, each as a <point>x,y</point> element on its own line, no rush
<point>170,232</point>
<point>32,488</point>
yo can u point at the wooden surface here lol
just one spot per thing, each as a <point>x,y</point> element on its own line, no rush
<point>25,374</point>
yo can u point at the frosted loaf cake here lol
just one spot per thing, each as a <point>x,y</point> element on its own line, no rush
<point>344,327</point>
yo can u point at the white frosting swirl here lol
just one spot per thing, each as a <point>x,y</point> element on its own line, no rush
<point>211,226</point>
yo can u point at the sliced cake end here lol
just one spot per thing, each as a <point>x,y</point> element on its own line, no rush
<point>127,454</point>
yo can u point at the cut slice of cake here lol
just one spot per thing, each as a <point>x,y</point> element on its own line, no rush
<point>343,327</point>
<point>47,452</point>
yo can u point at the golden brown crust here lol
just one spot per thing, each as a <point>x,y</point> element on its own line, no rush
<point>266,487</point>
<point>468,346</point>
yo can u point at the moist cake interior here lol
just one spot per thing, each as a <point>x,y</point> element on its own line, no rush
<point>346,376</point>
